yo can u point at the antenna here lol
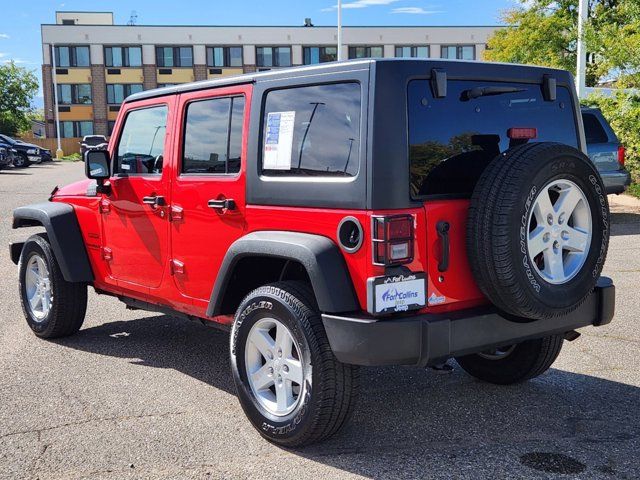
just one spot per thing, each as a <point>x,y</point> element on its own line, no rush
<point>133,19</point>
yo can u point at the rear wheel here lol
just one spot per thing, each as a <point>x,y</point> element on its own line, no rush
<point>513,363</point>
<point>52,306</point>
<point>290,385</point>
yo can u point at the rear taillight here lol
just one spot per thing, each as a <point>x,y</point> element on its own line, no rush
<point>522,133</point>
<point>621,154</point>
<point>392,238</point>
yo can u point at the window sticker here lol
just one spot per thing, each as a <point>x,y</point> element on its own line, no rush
<point>279,141</point>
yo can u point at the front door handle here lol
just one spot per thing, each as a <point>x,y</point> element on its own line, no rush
<point>224,204</point>
<point>156,201</point>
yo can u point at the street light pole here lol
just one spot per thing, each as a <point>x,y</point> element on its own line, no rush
<point>59,152</point>
<point>581,66</point>
<point>339,30</point>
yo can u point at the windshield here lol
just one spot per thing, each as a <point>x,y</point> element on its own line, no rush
<point>95,140</point>
<point>8,140</point>
<point>453,139</point>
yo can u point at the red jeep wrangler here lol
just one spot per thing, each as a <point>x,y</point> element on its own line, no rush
<point>376,212</point>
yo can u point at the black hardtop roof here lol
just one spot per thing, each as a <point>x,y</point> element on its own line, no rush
<point>457,68</point>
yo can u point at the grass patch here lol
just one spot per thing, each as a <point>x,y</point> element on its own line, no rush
<point>74,157</point>
<point>634,189</point>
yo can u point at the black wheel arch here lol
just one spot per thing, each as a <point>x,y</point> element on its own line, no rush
<point>319,256</point>
<point>63,230</point>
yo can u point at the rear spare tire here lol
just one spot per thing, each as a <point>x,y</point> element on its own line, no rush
<point>538,230</point>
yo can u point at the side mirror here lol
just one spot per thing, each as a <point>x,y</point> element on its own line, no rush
<point>97,165</point>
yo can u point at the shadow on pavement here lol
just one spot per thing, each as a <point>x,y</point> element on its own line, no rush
<point>625,223</point>
<point>410,420</point>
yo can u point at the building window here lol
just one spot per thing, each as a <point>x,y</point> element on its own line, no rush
<point>459,52</point>
<point>72,56</point>
<point>74,94</point>
<point>162,85</point>
<point>365,52</point>
<point>313,55</point>
<point>117,92</point>
<point>75,129</point>
<point>412,52</point>
<point>224,56</point>
<point>213,136</point>
<point>273,56</point>
<point>123,56</point>
<point>312,131</point>
<point>174,56</point>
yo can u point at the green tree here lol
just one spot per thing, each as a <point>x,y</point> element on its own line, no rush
<point>545,32</point>
<point>18,86</point>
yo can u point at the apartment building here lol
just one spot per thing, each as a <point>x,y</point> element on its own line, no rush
<point>97,63</point>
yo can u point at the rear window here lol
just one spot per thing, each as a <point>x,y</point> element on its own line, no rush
<point>312,131</point>
<point>453,139</point>
<point>593,131</point>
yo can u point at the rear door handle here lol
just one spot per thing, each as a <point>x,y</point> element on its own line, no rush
<point>224,204</point>
<point>156,201</point>
<point>442,228</point>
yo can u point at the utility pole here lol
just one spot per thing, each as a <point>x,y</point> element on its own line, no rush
<point>339,30</point>
<point>59,152</point>
<point>582,54</point>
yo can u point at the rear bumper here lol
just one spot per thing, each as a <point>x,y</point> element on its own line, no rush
<point>427,339</point>
<point>616,181</point>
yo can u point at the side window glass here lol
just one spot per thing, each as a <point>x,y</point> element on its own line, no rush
<point>312,131</point>
<point>593,130</point>
<point>141,145</point>
<point>213,136</point>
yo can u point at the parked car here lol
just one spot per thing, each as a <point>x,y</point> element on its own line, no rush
<point>26,153</point>
<point>605,150</point>
<point>6,156</point>
<point>45,155</point>
<point>370,212</point>
<point>93,142</point>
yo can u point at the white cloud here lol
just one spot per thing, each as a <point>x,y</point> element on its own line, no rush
<point>4,35</point>
<point>361,4</point>
<point>414,11</point>
<point>3,54</point>
<point>17,61</point>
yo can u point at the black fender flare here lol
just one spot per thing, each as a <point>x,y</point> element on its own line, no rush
<point>65,237</point>
<point>319,255</point>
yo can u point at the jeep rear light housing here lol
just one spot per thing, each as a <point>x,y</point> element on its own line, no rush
<point>392,238</point>
<point>522,133</point>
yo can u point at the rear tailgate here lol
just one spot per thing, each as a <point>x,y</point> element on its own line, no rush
<point>451,141</point>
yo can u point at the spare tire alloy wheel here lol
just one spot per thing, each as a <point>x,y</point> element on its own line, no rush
<point>538,230</point>
<point>560,229</point>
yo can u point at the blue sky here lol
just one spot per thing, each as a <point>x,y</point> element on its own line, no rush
<point>20,21</point>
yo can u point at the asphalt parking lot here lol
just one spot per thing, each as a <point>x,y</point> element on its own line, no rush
<point>139,395</point>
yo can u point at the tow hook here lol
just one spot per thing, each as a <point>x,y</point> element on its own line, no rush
<point>571,336</point>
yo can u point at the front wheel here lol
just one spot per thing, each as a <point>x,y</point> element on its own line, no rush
<point>514,363</point>
<point>21,161</point>
<point>52,306</point>
<point>289,383</point>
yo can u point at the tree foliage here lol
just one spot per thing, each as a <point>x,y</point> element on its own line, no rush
<point>545,32</point>
<point>18,86</point>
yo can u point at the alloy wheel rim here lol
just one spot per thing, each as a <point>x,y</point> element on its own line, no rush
<point>38,288</point>
<point>275,370</point>
<point>559,231</point>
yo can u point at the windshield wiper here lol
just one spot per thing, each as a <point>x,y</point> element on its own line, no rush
<point>478,92</point>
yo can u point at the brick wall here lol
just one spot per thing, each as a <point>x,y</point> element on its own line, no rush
<point>249,68</point>
<point>150,77</point>
<point>99,99</point>
<point>200,72</point>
